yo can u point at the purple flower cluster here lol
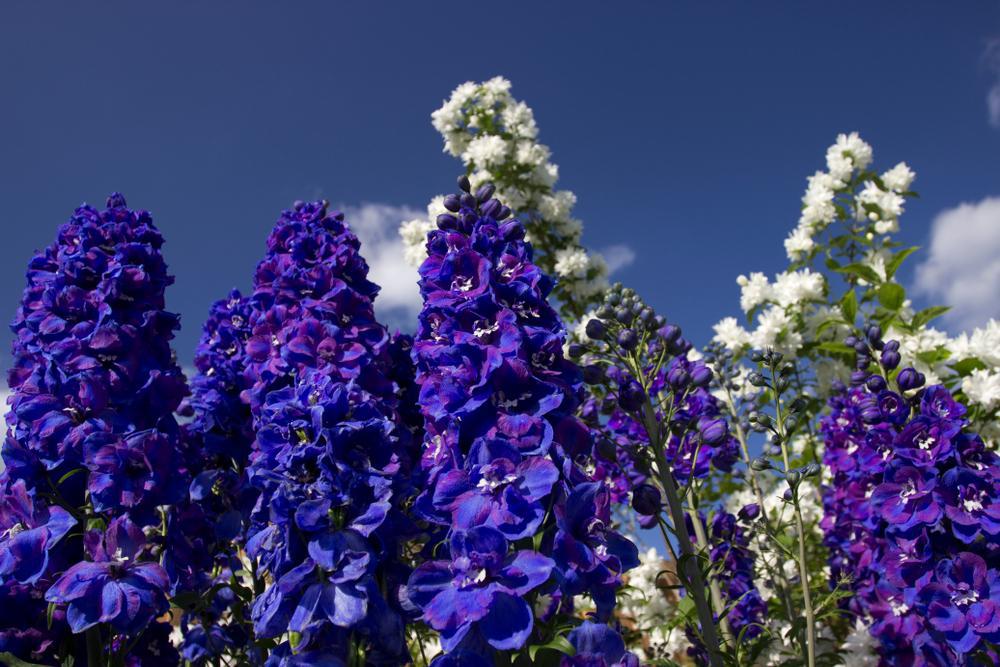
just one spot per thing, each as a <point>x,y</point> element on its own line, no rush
<point>515,514</point>
<point>912,517</point>
<point>91,437</point>
<point>733,564</point>
<point>329,457</point>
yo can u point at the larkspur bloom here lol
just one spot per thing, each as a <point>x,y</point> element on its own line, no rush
<point>598,645</point>
<point>90,428</point>
<point>912,517</point>
<point>501,441</point>
<point>330,446</point>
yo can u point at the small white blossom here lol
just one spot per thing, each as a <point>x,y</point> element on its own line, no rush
<point>755,290</point>
<point>982,386</point>
<point>488,150</point>
<point>899,178</point>
<point>775,330</point>
<point>860,648</point>
<point>729,332</point>
<point>799,243</point>
<point>793,287</point>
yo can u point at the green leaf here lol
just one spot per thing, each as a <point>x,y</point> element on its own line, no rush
<point>862,271</point>
<point>897,259</point>
<point>835,347</point>
<point>11,660</point>
<point>928,314</point>
<point>891,296</point>
<point>558,643</point>
<point>966,366</point>
<point>849,306</point>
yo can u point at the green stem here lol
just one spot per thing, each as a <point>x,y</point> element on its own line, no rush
<point>693,581</point>
<point>718,604</point>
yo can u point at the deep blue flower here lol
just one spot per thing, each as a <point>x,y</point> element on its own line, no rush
<point>598,645</point>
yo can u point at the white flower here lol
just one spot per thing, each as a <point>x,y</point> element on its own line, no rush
<point>818,210</point>
<point>755,290</point>
<point>519,120</point>
<point>557,206</point>
<point>729,332</point>
<point>572,262</point>
<point>899,178</point>
<point>792,287</point>
<point>775,330</point>
<point>983,344</point>
<point>982,386</point>
<point>860,648</point>
<point>414,235</point>
<point>488,150</point>
<point>850,146</point>
<point>889,203</point>
<point>925,340</point>
<point>799,243</point>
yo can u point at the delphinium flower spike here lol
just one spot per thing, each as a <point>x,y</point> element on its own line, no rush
<point>912,514</point>
<point>92,445</point>
<point>517,517</point>
<point>666,427</point>
<point>330,448</point>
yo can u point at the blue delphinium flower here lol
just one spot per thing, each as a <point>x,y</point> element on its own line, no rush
<point>912,518</point>
<point>598,645</point>
<point>91,432</point>
<point>501,443</point>
<point>330,454</point>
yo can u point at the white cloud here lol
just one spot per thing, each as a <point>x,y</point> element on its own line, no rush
<point>376,225</point>
<point>992,60</point>
<point>618,256</point>
<point>962,269</point>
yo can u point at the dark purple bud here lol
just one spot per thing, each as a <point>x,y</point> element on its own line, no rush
<point>503,213</point>
<point>875,383</point>
<point>892,345</point>
<point>874,334</point>
<point>678,378</point>
<point>679,346</point>
<point>512,230</point>
<point>749,512</point>
<point>596,330</point>
<point>628,339</point>
<point>670,333</point>
<point>623,315</point>
<point>463,183</point>
<point>712,431</point>
<point>468,201</point>
<point>861,347</point>
<point>701,375</point>
<point>858,378</point>
<point>890,358</point>
<point>452,203</point>
<point>631,396</point>
<point>490,209</point>
<point>116,200</point>
<point>646,499</point>
<point>485,192</point>
<point>447,222</point>
<point>575,350</point>
<point>909,378</point>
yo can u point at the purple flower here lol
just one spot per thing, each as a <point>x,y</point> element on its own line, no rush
<point>598,645</point>
<point>963,601</point>
<point>115,587</point>
<point>906,497</point>
<point>29,532</point>
<point>482,586</point>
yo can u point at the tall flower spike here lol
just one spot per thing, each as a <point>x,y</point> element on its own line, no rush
<point>328,455</point>
<point>90,430</point>
<point>912,517</point>
<point>501,441</point>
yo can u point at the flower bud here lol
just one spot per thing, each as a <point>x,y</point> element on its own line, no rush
<point>713,431</point>
<point>761,464</point>
<point>793,477</point>
<point>447,221</point>
<point>628,339</point>
<point>890,358</point>
<point>646,499</point>
<point>623,315</point>
<point>701,375</point>
<point>756,356</point>
<point>451,203</point>
<point>467,201</point>
<point>875,384</point>
<point>485,192</point>
<point>678,378</point>
<point>503,213</point>
<point>749,512</point>
<point>596,330</point>
<point>909,378</point>
<point>463,183</point>
<point>631,396</point>
<point>490,208</point>
<point>757,380</point>
<point>575,350</point>
<point>669,333</point>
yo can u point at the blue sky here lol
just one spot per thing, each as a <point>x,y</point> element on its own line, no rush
<point>686,129</point>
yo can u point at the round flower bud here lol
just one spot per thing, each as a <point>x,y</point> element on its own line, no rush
<point>447,221</point>
<point>669,333</point>
<point>909,378</point>
<point>646,499</point>
<point>875,383</point>
<point>890,359</point>
<point>623,315</point>
<point>452,203</point>
<point>605,312</point>
<point>575,350</point>
<point>749,512</point>
<point>713,431</point>
<point>628,339</point>
<point>701,375</point>
<point>596,330</point>
<point>485,192</point>
<point>678,378</point>
<point>463,183</point>
<point>631,396</point>
<point>760,464</point>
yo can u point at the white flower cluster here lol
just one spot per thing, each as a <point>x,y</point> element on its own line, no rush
<point>646,607</point>
<point>496,138</point>
<point>880,200</point>
<point>783,300</point>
